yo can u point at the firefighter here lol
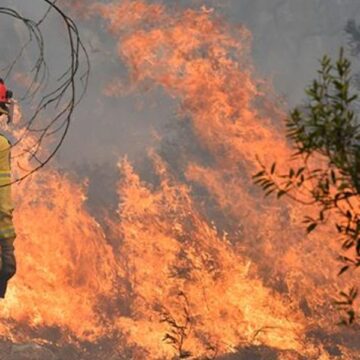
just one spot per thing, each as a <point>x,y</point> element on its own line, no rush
<point>7,231</point>
<point>3,99</point>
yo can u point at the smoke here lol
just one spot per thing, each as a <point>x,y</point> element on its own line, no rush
<point>188,236</point>
<point>288,38</point>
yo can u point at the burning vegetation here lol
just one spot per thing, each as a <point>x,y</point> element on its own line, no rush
<point>194,263</point>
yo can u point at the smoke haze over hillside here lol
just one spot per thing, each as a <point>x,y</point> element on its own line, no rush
<point>288,39</point>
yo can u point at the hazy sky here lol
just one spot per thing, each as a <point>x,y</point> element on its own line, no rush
<point>289,36</point>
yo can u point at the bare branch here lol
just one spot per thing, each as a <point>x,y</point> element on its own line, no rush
<point>51,116</point>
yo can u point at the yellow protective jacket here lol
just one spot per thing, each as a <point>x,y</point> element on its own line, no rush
<point>6,206</point>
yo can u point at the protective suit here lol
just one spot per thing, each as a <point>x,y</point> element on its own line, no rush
<point>4,109</point>
<point>3,91</point>
<point>7,231</point>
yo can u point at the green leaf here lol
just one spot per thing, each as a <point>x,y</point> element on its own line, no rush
<point>300,171</point>
<point>351,314</point>
<point>260,173</point>
<point>311,227</point>
<point>269,192</point>
<point>273,167</point>
<point>268,185</point>
<point>348,244</point>
<point>353,293</point>
<point>333,177</point>
<point>259,181</point>
<point>343,269</point>
<point>352,98</point>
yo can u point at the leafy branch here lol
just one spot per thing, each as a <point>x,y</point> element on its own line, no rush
<point>178,331</point>
<point>325,135</point>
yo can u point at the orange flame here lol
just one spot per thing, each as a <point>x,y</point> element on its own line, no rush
<point>262,283</point>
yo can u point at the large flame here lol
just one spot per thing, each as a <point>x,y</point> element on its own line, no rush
<point>167,276</point>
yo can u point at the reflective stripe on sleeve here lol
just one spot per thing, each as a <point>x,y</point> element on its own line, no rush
<point>6,180</point>
<point>7,231</point>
